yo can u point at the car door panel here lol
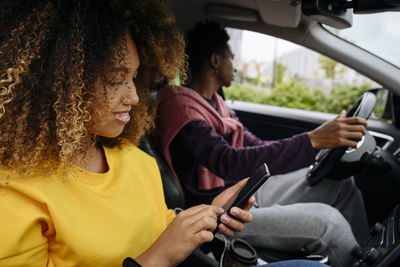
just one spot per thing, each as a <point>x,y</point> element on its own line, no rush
<point>271,123</point>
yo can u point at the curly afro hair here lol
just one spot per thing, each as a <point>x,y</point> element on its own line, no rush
<point>51,53</point>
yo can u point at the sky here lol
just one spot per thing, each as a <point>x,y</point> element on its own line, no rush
<point>378,33</point>
<point>260,47</point>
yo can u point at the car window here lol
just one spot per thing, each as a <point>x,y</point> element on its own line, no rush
<point>386,35</point>
<point>277,72</point>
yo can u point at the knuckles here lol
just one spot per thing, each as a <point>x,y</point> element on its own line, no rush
<point>206,220</point>
<point>205,236</point>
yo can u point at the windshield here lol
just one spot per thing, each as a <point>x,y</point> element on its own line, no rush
<point>376,33</point>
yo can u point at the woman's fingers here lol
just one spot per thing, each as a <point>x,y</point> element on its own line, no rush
<point>204,223</point>
<point>228,194</point>
<point>199,218</point>
<point>247,206</point>
<point>223,229</point>
<point>204,236</point>
<point>201,208</point>
<point>234,223</point>
<point>241,215</point>
<point>190,228</point>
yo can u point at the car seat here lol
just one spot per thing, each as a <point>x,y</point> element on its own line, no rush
<point>175,199</point>
<point>173,193</point>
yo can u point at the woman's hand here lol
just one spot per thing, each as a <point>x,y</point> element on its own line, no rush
<point>190,228</point>
<point>241,216</point>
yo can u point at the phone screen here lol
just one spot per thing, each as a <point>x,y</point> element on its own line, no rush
<point>256,180</point>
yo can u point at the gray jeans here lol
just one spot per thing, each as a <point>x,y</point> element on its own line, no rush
<point>292,216</point>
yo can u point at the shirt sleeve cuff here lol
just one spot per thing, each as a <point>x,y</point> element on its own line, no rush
<point>310,151</point>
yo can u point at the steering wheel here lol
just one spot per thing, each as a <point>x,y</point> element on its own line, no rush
<point>326,159</point>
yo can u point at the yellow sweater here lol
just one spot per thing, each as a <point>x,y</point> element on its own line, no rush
<point>88,219</point>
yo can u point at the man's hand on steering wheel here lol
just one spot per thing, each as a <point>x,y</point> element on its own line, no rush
<point>338,134</point>
<point>341,131</point>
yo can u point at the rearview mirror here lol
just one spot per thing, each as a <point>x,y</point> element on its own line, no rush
<point>339,13</point>
<point>328,12</point>
<point>374,6</point>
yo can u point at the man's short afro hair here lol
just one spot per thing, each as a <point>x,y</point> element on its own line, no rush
<point>204,39</point>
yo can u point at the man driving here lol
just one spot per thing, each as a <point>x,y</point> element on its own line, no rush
<point>209,149</point>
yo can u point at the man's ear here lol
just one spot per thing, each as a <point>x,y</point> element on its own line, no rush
<point>215,60</point>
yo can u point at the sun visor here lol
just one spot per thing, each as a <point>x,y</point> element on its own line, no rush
<point>231,12</point>
<point>283,13</point>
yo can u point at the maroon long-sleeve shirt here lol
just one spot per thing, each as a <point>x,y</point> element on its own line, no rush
<point>199,143</point>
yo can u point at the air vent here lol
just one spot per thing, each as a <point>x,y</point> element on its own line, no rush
<point>397,154</point>
<point>382,140</point>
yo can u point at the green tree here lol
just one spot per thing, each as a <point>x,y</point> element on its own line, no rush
<point>295,94</point>
<point>244,69</point>
<point>279,73</point>
<point>292,94</point>
<point>344,96</point>
<point>246,93</point>
<point>330,68</point>
<point>257,66</point>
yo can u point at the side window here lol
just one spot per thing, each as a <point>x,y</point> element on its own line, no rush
<point>276,72</point>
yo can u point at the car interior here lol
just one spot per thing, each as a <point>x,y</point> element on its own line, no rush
<point>375,163</point>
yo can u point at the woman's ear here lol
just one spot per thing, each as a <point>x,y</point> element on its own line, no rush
<point>215,60</point>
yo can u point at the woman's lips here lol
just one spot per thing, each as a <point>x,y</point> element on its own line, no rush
<point>122,116</point>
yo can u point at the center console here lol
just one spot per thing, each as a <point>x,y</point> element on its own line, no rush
<point>382,247</point>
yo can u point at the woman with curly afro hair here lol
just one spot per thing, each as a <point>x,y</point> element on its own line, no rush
<point>75,80</point>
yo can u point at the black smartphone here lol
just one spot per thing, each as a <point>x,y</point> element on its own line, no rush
<point>256,180</point>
